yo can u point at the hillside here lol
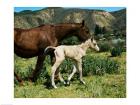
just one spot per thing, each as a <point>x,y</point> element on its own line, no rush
<point>120,21</point>
<point>93,18</point>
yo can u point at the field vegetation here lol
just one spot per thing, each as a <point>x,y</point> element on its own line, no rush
<point>104,74</point>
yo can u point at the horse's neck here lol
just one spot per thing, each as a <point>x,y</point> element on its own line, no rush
<point>84,46</point>
<point>64,30</point>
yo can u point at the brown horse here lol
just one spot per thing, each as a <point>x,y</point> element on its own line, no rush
<point>32,42</point>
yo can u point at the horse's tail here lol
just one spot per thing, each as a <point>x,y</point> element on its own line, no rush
<point>49,49</point>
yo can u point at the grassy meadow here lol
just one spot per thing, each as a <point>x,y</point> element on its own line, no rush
<point>100,83</point>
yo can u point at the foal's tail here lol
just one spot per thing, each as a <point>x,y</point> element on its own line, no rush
<point>49,49</point>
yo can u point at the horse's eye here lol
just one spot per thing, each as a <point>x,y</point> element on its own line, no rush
<point>87,31</point>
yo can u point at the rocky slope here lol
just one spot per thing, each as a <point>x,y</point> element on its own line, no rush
<point>93,18</point>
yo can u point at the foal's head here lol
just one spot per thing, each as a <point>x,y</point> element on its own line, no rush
<point>93,44</point>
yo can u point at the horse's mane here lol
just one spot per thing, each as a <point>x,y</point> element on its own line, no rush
<point>59,24</point>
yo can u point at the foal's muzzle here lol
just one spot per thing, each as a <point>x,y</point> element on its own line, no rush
<point>97,48</point>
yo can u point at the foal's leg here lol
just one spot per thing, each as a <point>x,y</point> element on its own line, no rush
<point>71,75</point>
<point>79,65</point>
<point>54,68</point>
<point>53,59</point>
<point>61,78</point>
<point>57,72</point>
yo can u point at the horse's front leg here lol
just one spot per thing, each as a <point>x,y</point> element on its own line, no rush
<point>39,66</point>
<point>79,66</point>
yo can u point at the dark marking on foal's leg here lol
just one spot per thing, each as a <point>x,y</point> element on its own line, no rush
<point>67,83</point>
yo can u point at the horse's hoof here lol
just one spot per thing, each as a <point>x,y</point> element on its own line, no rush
<point>21,83</point>
<point>31,79</point>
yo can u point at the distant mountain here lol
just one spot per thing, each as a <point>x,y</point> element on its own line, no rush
<point>93,18</point>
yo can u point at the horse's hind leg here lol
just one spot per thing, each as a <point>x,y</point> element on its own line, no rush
<point>18,78</point>
<point>39,66</point>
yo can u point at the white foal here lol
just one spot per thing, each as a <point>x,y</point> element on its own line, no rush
<point>75,52</point>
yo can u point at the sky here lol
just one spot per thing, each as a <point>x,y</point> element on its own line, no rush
<point>109,9</point>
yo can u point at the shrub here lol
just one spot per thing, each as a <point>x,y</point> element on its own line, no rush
<point>116,51</point>
<point>111,44</point>
<point>99,66</point>
<point>93,66</point>
<point>70,40</point>
<point>119,44</point>
<point>104,46</point>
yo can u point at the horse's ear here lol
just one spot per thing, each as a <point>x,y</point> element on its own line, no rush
<point>83,22</point>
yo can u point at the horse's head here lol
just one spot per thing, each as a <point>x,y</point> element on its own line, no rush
<point>93,44</point>
<point>83,32</point>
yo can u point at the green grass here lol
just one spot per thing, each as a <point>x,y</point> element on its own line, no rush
<point>105,86</point>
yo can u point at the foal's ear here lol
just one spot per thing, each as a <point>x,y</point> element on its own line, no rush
<point>83,22</point>
<point>92,38</point>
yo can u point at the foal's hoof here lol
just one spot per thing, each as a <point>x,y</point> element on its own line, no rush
<point>54,87</point>
<point>83,82</point>
<point>64,83</point>
<point>68,83</point>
